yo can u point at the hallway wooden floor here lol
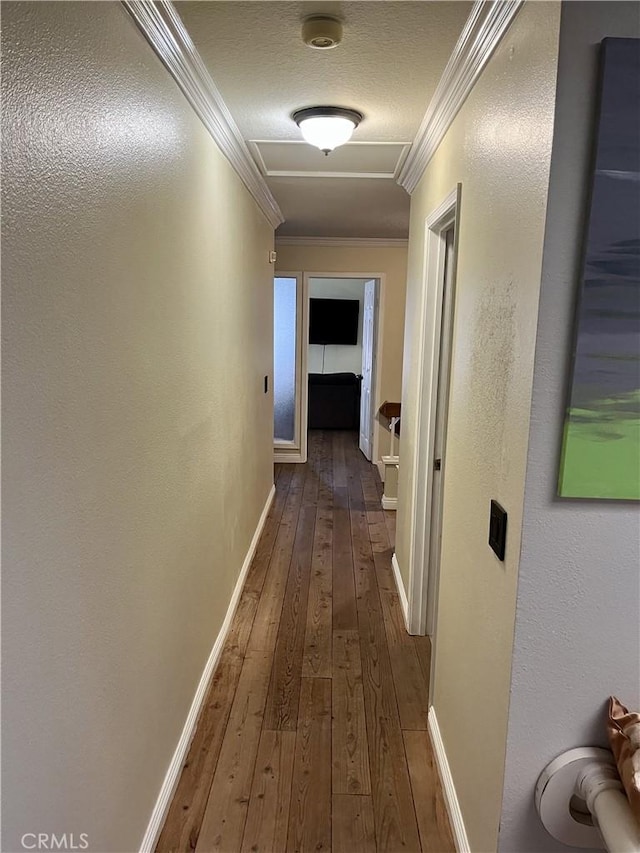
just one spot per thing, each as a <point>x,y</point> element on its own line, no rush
<point>313,735</point>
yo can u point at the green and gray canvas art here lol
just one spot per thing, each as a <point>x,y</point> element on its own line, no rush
<point>601,446</point>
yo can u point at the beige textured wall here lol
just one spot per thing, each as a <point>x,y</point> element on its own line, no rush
<point>393,263</point>
<point>499,148</point>
<point>137,437</point>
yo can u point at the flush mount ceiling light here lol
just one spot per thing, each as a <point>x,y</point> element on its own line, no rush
<point>327,127</point>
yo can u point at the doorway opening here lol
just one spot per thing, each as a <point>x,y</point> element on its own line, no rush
<point>441,242</point>
<point>326,346</point>
<point>289,367</point>
<point>341,356</point>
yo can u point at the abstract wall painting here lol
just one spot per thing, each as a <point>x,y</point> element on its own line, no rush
<point>601,444</point>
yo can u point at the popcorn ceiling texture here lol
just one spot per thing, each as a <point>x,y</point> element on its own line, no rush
<point>387,66</point>
<point>137,314</point>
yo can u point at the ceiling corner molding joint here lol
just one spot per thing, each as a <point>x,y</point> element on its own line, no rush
<point>162,27</point>
<point>488,21</point>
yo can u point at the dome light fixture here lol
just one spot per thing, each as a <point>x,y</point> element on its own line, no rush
<point>327,127</point>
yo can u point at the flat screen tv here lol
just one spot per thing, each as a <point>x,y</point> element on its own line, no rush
<point>333,321</point>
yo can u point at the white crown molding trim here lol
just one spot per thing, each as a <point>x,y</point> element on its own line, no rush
<point>272,173</point>
<point>404,604</point>
<point>257,156</point>
<point>351,144</point>
<point>485,27</point>
<point>162,27</point>
<point>344,242</point>
<point>254,147</point>
<point>172,777</point>
<point>449,789</point>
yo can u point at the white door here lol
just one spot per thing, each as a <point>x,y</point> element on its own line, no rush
<point>368,347</point>
<point>439,449</point>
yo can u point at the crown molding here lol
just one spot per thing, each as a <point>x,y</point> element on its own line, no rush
<point>485,27</point>
<point>256,151</point>
<point>344,242</point>
<point>374,176</point>
<point>162,27</point>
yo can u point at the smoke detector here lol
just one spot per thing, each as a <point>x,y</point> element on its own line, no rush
<point>321,32</point>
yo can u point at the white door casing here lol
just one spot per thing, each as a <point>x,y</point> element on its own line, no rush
<point>368,356</point>
<point>435,347</point>
<point>440,442</point>
<point>296,450</point>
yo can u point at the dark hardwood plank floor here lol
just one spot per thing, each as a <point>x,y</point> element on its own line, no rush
<point>352,824</point>
<point>313,733</point>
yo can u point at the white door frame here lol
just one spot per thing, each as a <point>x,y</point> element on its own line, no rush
<point>296,450</point>
<point>371,410</point>
<point>423,583</point>
<point>380,279</point>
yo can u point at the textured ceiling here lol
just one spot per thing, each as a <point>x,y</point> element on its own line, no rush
<point>289,159</point>
<point>388,65</point>
<point>342,207</point>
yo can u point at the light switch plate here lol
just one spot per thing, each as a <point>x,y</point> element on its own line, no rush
<point>498,529</point>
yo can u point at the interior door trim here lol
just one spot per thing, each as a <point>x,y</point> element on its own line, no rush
<point>296,450</point>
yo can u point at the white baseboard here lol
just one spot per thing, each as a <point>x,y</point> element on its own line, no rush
<point>286,458</point>
<point>172,776</point>
<point>389,503</point>
<point>448,787</point>
<point>404,604</point>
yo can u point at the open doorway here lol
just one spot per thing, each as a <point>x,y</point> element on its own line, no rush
<point>326,346</point>
<point>341,355</point>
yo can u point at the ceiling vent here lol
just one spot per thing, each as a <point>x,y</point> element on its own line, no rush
<point>321,33</point>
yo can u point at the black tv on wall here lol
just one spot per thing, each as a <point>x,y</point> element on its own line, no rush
<point>333,321</point>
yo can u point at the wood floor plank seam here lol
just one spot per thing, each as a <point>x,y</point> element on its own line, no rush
<point>183,822</point>
<point>377,595</point>
<point>399,829</point>
<point>226,811</point>
<point>184,818</point>
<point>409,678</point>
<point>310,828</point>
<point>413,797</point>
<point>284,689</point>
<point>274,517</point>
<point>248,800</point>
<point>434,826</point>
<point>267,821</point>
<point>352,823</point>
<point>350,742</point>
<point>318,638</point>
<point>309,699</point>
<point>263,634</point>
